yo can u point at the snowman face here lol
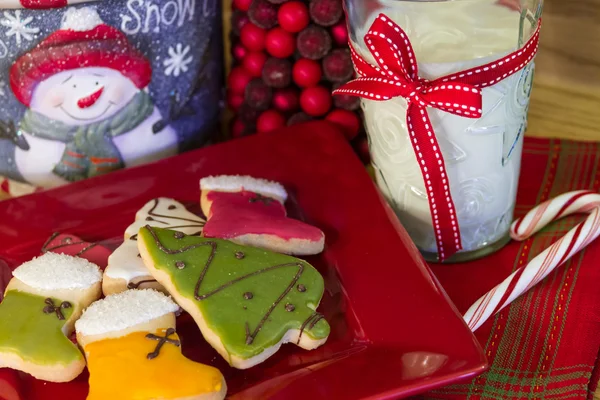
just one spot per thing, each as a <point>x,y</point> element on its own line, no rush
<point>83,96</point>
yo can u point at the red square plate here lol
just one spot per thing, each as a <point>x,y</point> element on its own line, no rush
<point>394,331</point>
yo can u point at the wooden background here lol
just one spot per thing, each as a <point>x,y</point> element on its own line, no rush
<point>566,97</point>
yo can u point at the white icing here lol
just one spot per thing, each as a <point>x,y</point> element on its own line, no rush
<point>53,271</point>
<point>234,183</point>
<point>81,19</point>
<point>124,310</point>
<point>124,262</point>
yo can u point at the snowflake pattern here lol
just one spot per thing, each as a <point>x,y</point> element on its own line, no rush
<point>17,27</point>
<point>178,60</point>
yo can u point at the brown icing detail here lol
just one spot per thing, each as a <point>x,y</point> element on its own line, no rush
<point>178,235</point>
<point>80,252</point>
<point>152,213</point>
<point>47,242</point>
<point>239,255</point>
<point>249,337</point>
<point>180,264</point>
<point>248,295</point>
<point>133,237</point>
<point>204,296</point>
<point>161,341</point>
<point>263,199</point>
<point>139,255</point>
<point>314,318</point>
<point>290,307</point>
<point>51,308</point>
<point>301,288</point>
<point>66,243</point>
<point>172,207</point>
<point>135,285</point>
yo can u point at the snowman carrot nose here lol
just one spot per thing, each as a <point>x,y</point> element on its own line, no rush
<point>90,100</point>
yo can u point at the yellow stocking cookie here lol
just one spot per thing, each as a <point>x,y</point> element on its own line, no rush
<point>133,351</point>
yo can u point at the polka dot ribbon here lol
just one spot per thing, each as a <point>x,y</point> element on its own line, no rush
<point>396,75</point>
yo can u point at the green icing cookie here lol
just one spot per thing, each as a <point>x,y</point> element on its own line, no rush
<point>31,328</point>
<point>249,297</point>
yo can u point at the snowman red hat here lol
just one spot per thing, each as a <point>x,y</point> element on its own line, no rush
<point>83,40</point>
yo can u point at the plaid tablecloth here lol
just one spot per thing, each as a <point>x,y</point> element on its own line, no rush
<point>546,344</point>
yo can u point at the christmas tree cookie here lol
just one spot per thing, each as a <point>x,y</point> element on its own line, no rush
<point>125,268</point>
<point>250,211</point>
<point>134,352</point>
<point>42,302</point>
<point>246,301</point>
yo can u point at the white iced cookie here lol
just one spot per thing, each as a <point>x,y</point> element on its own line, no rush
<point>134,352</point>
<point>42,302</point>
<point>125,268</point>
<point>250,211</point>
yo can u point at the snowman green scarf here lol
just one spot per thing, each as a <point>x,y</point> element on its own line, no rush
<point>89,150</point>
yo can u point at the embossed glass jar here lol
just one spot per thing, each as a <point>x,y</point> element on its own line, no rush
<point>482,155</point>
<point>88,87</point>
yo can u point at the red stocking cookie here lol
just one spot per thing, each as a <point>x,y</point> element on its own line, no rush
<point>71,245</point>
<point>250,211</point>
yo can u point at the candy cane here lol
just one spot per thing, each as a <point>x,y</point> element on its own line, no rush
<point>528,276</point>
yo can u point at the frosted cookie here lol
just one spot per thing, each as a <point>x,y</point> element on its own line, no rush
<point>246,301</point>
<point>42,302</point>
<point>74,246</point>
<point>125,268</point>
<point>134,352</point>
<point>250,211</point>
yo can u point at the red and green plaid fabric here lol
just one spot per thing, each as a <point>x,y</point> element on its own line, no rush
<point>546,344</point>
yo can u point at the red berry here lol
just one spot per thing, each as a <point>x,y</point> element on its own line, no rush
<point>238,129</point>
<point>337,66</point>
<point>263,14</point>
<point>238,20</point>
<point>298,118</point>
<point>315,101</point>
<point>286,100</point>
<point>239,51</point>
<point>254,63</point>
<point>347,120</point>
<point>339,32</point>
<point>326,12</point>
<point>258,95</point>
<point>293,16</point>
<point>269,121</point>
<point>243,5</point>
<point>306,73</point>
<point>253,37</point>
<point>344,101</point>
<point>313,42</point>
<point>248,116</point>
<point>234,100</point>
<point>280,43</point>
<point>238,80</point>
<point>277,72</point>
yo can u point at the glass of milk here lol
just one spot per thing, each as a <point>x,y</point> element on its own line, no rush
<point>483,156</point>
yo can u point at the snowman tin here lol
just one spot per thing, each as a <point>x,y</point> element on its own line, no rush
<point>89,87</point>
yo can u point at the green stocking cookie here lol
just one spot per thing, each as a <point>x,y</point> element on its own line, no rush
<point>40,306</point>
<point>246,301</point>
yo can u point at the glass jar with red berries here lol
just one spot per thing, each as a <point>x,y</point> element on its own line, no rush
<point>288,56</point>
<point>445,101</point>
